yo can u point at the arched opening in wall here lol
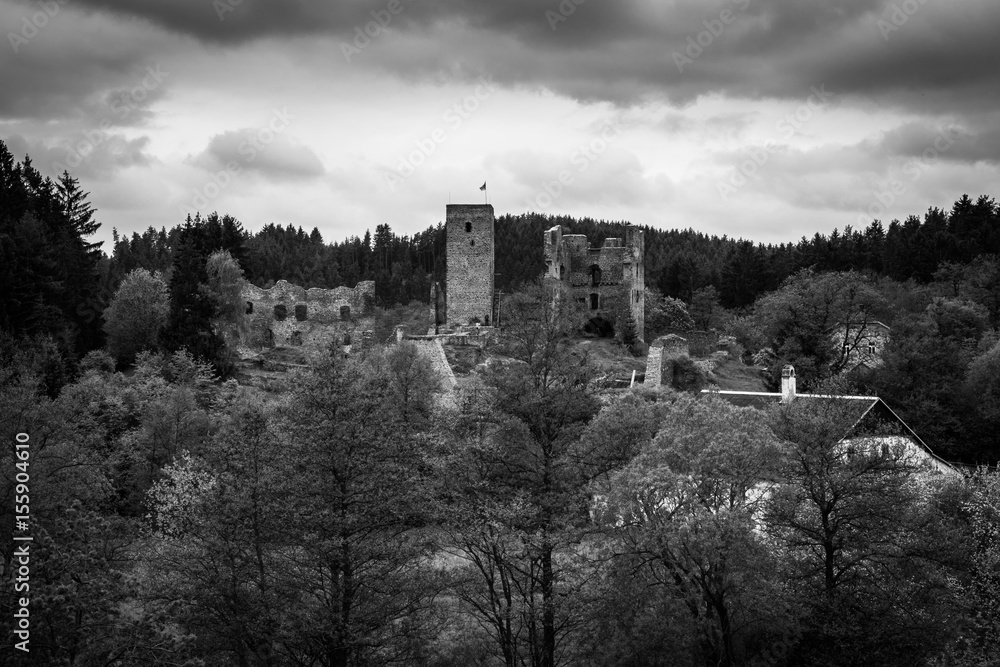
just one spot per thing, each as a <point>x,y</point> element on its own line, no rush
<point>301,312</point>
<point>345,312</point>
<point>562,272</point>
<point>595,275</point>
<point>249,310</point>
<point>599,326</point>
<point>468,227</point>
<point>595,301</point>
<point>280,312</point>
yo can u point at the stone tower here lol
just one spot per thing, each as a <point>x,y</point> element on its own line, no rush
<point>469,281</point>
<point>609,280</point>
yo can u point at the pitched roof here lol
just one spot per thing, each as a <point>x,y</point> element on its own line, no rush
<point>865,413</point>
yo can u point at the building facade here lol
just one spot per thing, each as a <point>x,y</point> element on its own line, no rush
<point>288,315</point>
<point>861,344</point>
<point>608,281</point>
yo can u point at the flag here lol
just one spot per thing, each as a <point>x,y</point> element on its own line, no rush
<point>483,186</point>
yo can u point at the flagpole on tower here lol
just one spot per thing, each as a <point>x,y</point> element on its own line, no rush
<point>486,194</point>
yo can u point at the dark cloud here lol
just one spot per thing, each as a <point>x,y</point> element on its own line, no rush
<point>948,142</point>
<point>261,150</point>
<point>940,54</point>
<point>76,67</point>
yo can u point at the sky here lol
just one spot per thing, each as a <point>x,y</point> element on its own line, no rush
<point>760,119</point>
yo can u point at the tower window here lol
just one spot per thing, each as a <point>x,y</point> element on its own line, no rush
<point>595,301</point>
<point>249,308</point>
<point>468,227</point>
<point>280,312</point>
<point>345,312</point>
<point>871,348</point>
<point>472,243</point>
<point>595,275</point>
<point>301,312</point>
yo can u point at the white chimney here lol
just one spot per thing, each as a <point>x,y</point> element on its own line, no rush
<point>788,384</point>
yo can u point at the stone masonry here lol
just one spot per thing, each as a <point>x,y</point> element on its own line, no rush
<point>287,315</point>
<point>662,351</point>
<point>469,285</point>
<point>608,281</point>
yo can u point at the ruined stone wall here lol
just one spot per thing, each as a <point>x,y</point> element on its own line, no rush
<point>434,350</point>
<point>469,286</point>
<point>635,276</point>
<point>662,352</point>
<point>620,287</point>
<point>287,315</point>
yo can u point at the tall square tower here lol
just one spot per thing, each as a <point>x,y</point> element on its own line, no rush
<point>469,281</point>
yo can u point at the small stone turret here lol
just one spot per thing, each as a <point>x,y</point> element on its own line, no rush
<point>788,384</point>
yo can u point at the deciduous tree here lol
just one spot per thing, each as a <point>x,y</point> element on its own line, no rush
<point>136,315</point>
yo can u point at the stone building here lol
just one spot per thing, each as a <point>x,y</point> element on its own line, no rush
<point>469,282</point>
<point>861,344</point>
<point>287,315</point>
<point>608,281</point>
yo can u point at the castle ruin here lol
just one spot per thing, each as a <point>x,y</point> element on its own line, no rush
<point>659,361</point>
<point>287,315</point>
<point>469,281</point>
<point>608,281</point>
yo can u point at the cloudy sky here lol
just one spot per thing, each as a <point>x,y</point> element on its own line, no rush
<point>765,119</point>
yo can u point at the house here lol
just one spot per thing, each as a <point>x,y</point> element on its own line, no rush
<point>860,343</point>
<point>868,420</point>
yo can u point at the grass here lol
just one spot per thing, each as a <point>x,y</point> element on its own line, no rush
<point>732,375</point>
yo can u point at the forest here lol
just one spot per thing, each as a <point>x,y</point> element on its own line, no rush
<point>355,514</point>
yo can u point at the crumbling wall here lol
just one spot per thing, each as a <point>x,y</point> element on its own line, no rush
<point>662,352</point>
<point>434,350</point>
<point>288,315</point>
<point>609,282</point>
